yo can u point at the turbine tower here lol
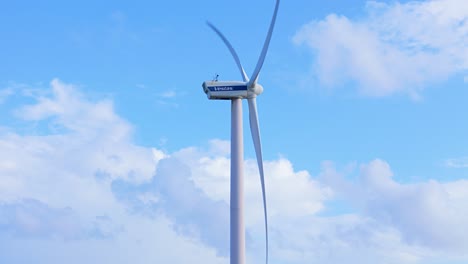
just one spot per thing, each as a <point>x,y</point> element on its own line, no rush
<point>236,91</point>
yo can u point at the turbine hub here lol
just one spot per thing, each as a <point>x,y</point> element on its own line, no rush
<point>256,89</point>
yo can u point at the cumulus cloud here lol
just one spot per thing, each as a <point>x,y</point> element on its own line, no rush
<point>84,160</point>
<point>428,214</point>
<point>86,187</point>
<point>395,48</point>
<point>56,186</point>
<point>192,189</point>
<point>30,217</point>
<point>69,110</point>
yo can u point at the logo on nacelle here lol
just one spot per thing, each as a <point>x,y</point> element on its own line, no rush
<point>223,88</point>
<point>228,88</point>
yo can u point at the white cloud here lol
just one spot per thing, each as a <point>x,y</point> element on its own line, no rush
<point>89,188</point>
<point>5,93</point>
<point>56,189</point>
<point>70,110</point>
<point>168,94</point>
<point>143,240</point>
<point>397,48</point>
<point>457,162</point>
<point>428,214</point>
<point>193,191</point>
<point>210,172</point>
<point>31,218</point>
<point>168,98</point>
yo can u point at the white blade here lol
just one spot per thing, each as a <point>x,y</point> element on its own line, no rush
<point>254,77</point>
<point>231,49</point>
<point>255,130</point>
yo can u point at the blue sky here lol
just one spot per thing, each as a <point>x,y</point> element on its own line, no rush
<point>110,151</point>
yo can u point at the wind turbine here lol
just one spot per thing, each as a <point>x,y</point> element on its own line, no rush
<point>236,91</point>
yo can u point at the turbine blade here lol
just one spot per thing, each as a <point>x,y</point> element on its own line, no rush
<point>254,77</point>
<point>255,130</point>
<point>231,49</point>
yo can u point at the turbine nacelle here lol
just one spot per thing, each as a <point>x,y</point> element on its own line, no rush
<point>227,90</point>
